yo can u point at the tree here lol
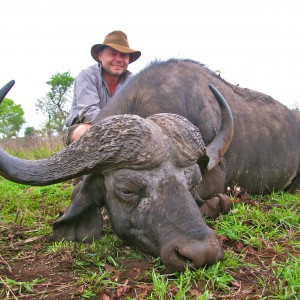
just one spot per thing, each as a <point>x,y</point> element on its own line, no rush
<point>12,118</point>
<point>29,131</point>
<point>295,106</point>
<point>55,106</point>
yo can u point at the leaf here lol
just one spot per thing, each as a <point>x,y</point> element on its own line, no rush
<point>239,246</point>
<point>122,290</point>
<point>110,269</point>
<point>249,250</point>
<point>195,293</point>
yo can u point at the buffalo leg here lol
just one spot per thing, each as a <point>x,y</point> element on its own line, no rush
<point>294,187</point>
<point>213,183</point>
<point>219,204</point>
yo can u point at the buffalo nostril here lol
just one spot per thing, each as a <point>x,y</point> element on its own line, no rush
<point>186,261</point>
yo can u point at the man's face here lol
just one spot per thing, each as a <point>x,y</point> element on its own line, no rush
<point>113,62</point>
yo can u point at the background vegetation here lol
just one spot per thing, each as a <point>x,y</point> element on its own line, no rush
<point>12,119</point>
<point>55,106</point>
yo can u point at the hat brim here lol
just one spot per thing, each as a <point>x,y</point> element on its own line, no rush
<point>133,54</point>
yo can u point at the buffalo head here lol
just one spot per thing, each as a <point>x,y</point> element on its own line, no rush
<point>145,171</point>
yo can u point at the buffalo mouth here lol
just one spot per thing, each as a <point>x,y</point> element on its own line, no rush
<point>185,261</point>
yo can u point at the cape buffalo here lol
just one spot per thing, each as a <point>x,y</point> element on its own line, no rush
<point>143,157</point>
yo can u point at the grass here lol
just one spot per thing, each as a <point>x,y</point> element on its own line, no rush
<point>261,237</point>
<point>285,282</point>
<point>272,218</point>
<point>33,147</point>
<point>34,207</point>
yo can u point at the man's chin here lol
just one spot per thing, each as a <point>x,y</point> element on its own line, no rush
<point>117,73</point>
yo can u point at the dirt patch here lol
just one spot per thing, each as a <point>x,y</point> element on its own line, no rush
<point>55,276</point>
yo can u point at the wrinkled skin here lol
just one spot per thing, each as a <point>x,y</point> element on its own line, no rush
<point>157,212</point>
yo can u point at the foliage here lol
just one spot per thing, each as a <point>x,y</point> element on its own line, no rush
<point>295,106</point>
<point>33,146</point>
<point>55,106</point>
<point>12,118</point>
<point>29,131</point>
<point>244,222</point>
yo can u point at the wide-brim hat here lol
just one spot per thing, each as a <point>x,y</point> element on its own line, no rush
<point>118,41</point>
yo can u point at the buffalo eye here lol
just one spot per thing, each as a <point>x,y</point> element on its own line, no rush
<point>126,192</point>
<point>129,190</point>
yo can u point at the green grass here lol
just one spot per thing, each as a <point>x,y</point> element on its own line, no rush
<point>285,279</point>
<point>270,220</point>
<point>22,287</point>
<point>34,207</point>
<point>35,147</point>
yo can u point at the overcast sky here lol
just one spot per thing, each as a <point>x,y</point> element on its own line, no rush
<point>253,43</point>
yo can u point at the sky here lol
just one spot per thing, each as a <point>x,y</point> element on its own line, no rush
<point>253,43</point>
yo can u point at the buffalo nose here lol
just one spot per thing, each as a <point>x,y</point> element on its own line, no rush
<point>192,254</point>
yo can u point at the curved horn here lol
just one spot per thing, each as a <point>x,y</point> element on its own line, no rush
<point>217,148</point>
<point>6,89</point>
<point>115,142</point>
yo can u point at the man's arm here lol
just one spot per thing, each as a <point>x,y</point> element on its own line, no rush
<point>87,97</point>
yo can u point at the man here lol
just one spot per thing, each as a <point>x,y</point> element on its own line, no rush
<point>95,85</point>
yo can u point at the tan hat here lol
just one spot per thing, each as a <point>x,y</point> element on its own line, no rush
<point>118,41</point>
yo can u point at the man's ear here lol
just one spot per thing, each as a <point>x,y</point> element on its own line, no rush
<point>100,56</point>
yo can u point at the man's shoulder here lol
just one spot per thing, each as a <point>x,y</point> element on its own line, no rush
<point>90,73</point>
<point>91,69</point>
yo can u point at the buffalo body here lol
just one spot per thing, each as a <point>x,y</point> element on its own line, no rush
<point>162,147</point>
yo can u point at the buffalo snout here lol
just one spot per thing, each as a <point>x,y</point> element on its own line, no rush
<point>196,253</point>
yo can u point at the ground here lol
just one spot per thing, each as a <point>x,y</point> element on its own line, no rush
<point>28,260</point>
<point>29,269</point>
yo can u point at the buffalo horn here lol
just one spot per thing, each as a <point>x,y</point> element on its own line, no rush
<point>6,89</point>
<point>217,148</point>
<point>115,142</point>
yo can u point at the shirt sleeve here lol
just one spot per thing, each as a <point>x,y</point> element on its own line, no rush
<point>87,97</point>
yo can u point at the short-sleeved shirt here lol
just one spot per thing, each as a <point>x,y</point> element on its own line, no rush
<point>91,93</point>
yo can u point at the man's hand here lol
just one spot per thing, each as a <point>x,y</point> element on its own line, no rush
<point>80,130</point>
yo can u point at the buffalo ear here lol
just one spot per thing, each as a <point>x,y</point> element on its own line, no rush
<point>82,221</point>
<point>85,227</point>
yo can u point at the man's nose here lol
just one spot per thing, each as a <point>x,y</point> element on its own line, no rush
<point>119,56</point>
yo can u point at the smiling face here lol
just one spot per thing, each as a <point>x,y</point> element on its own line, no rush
<point>113,62</point>
<point>154,210</point>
